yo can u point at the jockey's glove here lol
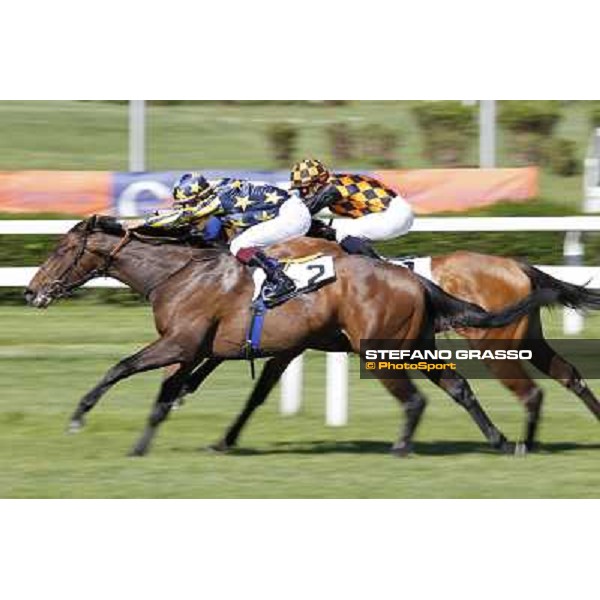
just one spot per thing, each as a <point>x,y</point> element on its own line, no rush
<point>358,245</point>
<point>212,229</point>
<point>318,229</point>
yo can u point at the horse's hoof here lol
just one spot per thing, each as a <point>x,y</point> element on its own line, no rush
<point>402,450</point>
<point>221,447</point>
<point>521,449</point>
<point>178,403</point>
<point>137,452</point>
<point>503,446</point>
<point>75,426</point>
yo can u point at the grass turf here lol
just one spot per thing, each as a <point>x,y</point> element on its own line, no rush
<point>48,359</point>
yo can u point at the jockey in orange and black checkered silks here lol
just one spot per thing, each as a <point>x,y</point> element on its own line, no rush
<point>376,213</point>
<point>250,217</point>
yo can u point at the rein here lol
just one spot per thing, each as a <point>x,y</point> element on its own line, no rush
<point>58,288</point>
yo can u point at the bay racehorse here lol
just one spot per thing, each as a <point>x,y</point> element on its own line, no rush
<point>494,283</point>
<point>201,302</point>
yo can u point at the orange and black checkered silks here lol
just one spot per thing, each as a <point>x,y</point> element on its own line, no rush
<point>360,195</point>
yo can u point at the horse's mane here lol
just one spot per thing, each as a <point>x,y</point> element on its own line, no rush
<point>103,223</point>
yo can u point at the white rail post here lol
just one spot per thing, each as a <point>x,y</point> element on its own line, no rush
<point>336,407</point>
<point>573,251</point>
<point>487,134</point>
<point>137,135</point>
<point>291,387</point>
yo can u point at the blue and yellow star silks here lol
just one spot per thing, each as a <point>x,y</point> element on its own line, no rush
<point>239,204</point>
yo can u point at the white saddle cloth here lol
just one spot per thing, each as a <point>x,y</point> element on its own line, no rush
<point>314,272</point>
<point>421,265</point>
<point>307,274</point>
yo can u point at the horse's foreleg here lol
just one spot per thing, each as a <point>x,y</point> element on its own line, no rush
<point>413,403</point>
<point>270,375</point>
<point>160,353</point>
<point>169,392</point>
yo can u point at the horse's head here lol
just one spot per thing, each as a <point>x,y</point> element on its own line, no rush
<point>77,258</point>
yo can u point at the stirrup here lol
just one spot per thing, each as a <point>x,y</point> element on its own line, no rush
<point>273,296</point>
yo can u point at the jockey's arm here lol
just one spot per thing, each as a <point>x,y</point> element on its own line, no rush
<point>323,199</point>
<point>185,216</point>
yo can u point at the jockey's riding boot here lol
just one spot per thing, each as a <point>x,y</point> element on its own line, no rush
<point>278,283</point>
<point>357,245</point>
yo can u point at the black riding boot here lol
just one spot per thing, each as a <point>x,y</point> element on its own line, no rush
<point>356,245</point>
<point>278,283</point>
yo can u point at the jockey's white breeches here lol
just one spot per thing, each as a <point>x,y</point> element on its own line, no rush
<point>292,221</point>
<point>395,221</point>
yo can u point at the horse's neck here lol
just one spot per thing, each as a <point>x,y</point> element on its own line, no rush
<point>144,267</point>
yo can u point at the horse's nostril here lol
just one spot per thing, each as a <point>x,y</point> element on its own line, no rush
<point>28,295</point>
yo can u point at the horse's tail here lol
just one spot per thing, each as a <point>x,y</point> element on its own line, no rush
<point>450,312</point>
<point>569,294</point>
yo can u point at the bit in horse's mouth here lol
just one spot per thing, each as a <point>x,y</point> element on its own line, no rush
<point>42,301</point>
<point>37,300</point>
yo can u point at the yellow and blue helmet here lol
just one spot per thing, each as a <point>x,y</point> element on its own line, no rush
<point>191,187</point>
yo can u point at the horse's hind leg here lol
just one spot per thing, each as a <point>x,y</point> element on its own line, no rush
<point>271,373</point>
<point>547,360</point>
<point>456,386</point>
<point>413,403</point>
<point>561,370</point>
<point>196,378</point>
<point>160,353</point>
<point>169,391</point>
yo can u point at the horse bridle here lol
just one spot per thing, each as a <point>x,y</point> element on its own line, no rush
<point>58,288</point>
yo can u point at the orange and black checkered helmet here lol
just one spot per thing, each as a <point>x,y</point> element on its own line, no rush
<point>307,173</point>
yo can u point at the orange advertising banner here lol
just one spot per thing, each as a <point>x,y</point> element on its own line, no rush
<point>105,192</point>
<point>437,190</point>
<point>70,192</point>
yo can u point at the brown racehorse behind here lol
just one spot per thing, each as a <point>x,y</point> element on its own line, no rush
<point>201,298</point>
<point>494,283</point>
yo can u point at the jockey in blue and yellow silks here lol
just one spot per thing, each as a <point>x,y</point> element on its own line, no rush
<point>253,216</point>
